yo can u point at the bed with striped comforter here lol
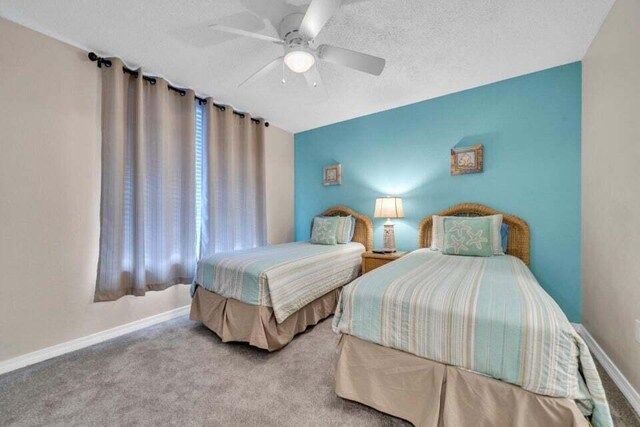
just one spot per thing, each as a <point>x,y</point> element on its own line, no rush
<point>286,277</point>
<point>488,315</point>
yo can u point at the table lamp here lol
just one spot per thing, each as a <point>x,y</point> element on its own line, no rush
<point>389,207</point>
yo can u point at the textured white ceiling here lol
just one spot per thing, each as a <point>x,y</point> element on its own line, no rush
<point>432,47</point>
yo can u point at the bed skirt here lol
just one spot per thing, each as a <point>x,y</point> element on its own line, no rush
<point>234,320</point>
<point>432,394</point>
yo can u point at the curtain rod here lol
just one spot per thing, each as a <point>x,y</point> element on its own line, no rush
<point>152,81</point>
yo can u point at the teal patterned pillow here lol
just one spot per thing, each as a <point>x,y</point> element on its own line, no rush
<point>324,230</point>
<point>468,236</point>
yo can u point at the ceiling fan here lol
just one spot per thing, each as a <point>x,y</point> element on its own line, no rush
<point>297,32</point>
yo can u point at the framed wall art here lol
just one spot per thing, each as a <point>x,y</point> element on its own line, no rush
<point>466,160</point>
<point>332,175</point>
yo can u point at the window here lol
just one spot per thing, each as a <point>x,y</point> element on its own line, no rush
<point>200,133</point>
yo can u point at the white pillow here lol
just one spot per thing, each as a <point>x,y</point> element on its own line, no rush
<point>343,232</point>
<point>437,233</point>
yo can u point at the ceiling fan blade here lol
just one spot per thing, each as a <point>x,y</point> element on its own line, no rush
<point>318,13</point>
<point>244,33</point>
<point>263,71</point>
<point>352,59</point>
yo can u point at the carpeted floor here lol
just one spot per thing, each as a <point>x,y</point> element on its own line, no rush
<point>179,373</point>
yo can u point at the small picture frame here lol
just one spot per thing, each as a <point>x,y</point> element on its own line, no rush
<point>466,160</point>
<point>332,175</point>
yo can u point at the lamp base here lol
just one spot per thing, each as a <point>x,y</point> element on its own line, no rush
<point>389,237</point>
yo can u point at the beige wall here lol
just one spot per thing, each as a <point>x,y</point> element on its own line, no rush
<point>50,193</point>
<point>610,187</point>
<point>279,181</point>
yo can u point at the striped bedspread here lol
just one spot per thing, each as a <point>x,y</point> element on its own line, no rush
<point>488,315</point>
<point>286,277</point>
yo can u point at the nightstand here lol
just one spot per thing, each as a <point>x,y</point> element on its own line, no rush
<point>371,261</point>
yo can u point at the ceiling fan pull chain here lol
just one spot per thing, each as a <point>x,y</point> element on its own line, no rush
<point>283,81</point>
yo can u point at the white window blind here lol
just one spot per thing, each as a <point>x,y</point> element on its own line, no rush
<point>200,134</point>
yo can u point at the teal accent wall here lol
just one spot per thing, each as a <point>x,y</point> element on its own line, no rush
<point>531,130</point>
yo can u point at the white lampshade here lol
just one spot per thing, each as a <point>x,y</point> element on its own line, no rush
<point>299,61</point>
<point>389,207</point>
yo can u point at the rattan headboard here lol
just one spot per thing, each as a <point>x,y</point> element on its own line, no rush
<point>364,227</point>
<point>518,243</point>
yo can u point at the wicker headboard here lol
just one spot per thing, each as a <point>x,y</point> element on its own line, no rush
<point>518,243</point>
<point>364,227</point>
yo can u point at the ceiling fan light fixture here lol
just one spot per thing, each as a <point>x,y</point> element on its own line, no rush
<point>299,61</point>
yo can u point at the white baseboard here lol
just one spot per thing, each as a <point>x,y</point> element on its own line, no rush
<point>79,343</point>
<point>618,378</point>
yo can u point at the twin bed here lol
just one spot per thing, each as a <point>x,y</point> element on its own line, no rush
<point>438,340</point>
<point>265,296</point>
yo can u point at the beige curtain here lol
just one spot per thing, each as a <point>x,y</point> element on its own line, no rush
<point>233,196</point>
<point>148,226</point>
